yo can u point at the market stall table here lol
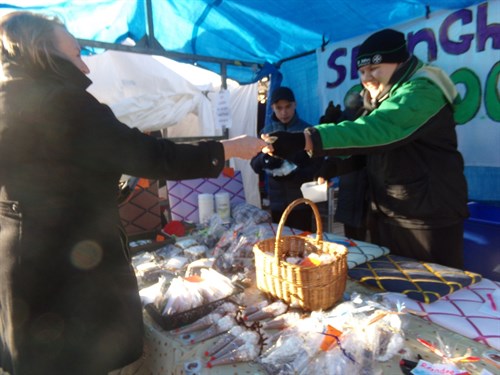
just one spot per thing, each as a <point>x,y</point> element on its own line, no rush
<point>168,354</point>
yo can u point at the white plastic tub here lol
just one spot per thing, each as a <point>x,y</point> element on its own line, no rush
<point>314,192</point>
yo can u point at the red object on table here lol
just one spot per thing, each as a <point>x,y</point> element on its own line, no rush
<point>175,228</point>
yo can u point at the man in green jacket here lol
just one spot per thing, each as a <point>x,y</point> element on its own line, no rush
<point>415,171</point>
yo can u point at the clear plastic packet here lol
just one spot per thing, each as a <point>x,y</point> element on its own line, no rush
<point>283,321</point>
<point>168,251</point>
<point>244,213</point>
<point>224,340</point>
<point>220,327</point>
<point>267,312</point>
<point>294,349</point>
<point>235,250</point>
<point>215,286</point>
<point>181,296</point>
<point>246,339</point>
<point>210,233</point>
<point>286,168</point>
<point>200,324</point>
<point>244,353</point>
<point>196,252</point>
<point>370,333</point>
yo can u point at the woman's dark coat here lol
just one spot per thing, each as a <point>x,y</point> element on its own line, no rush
<point>69,300</point>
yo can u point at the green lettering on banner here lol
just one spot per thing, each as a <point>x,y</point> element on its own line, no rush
<point>491,94</point>
<point>471,101</point>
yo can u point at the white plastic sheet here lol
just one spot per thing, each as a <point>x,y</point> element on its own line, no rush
<point>155,93</point>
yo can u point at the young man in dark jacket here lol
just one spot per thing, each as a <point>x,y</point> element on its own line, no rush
<point>286,177</point>
<point>415,171</point>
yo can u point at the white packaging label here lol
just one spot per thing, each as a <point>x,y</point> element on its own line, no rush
<point>205,207</point>
<point>223,207</point>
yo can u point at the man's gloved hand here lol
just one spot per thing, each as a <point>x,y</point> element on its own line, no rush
<point>286,144</point>
<point>326,171</point>
<point>332,114</point>
<point>270,162</point>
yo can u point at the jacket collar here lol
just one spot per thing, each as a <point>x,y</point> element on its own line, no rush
<point>294,119</point>
<point>404,71</point>
<point>65,72</point>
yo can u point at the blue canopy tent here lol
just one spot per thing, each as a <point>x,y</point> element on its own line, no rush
<point>231,37</point>
<point>247,40</point>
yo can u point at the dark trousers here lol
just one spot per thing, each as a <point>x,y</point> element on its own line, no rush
<point>356,233</point>
<point>442,245</point>
<point>297,219</point>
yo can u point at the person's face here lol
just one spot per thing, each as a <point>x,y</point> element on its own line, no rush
<point>69,48</point>
<point>284,110</point>
<point>375,77</point>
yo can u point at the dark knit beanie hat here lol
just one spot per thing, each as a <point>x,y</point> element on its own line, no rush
<point>385,46</point>
<point>282,93</point>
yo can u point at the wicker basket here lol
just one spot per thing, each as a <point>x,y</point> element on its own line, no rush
<point>311,288</point>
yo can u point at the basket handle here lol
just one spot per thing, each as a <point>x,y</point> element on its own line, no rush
<point>291,206</point>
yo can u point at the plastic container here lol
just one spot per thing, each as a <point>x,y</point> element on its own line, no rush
<point>482,240</point>
<point>205,207</point>
<point>314,191</point>
<point>223,206</point>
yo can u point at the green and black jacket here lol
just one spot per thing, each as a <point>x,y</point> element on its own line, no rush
<point>414,168</point>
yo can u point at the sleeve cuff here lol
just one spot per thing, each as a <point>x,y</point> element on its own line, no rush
<point>316,141</point>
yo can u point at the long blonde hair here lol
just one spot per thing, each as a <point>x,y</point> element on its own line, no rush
<point>27,37</point>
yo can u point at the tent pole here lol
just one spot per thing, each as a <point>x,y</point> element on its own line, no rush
<point>278,64</point>
<point>159,51</point>
<point>223,75</point>
<point>149,20</point>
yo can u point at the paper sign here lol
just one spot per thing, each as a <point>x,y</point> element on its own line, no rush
<point>222,110</point>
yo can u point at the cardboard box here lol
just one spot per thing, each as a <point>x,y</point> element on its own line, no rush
<point>141,211</point>
<point>183,195</point>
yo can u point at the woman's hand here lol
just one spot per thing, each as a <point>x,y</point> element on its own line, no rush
<point>243,147</point>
